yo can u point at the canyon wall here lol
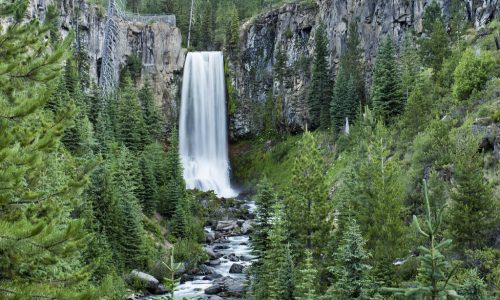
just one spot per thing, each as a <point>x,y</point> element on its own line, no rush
<point>156,44</point>
<point>292,27</point>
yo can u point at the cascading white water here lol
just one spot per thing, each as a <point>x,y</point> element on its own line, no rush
<point>202,128</point>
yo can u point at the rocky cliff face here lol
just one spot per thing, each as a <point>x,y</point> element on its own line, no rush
<point>157,44</point>
<point>292,27</point>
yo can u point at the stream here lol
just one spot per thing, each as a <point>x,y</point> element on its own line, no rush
<point>223,276</point>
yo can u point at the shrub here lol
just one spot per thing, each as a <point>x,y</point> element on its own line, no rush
<point>472,73</point>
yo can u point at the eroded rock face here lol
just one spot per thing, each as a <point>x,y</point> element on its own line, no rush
<point>293,28</point>
<point>158,45</point>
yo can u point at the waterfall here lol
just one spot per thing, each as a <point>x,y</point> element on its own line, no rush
<point>202,128</point>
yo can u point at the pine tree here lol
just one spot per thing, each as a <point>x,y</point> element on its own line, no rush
<point>410,65</point>
<point>150,113</point>
<point>264,200</point>
<point>275,279</point>
<point>345,103</point>
<point>307,280</point>
<point>175,185</point>
<point>473,209</point>
<point>307,202</point>
<point>352,63</point>
<point>352,269</point>
<point>434,45</point>
<point>386,95</point>
<point>125,228</point>
<point>40,190</point>
<point>129,121</point>
<point>433,282</point>
<point>148,196</point>
<point>319,96</point>
<point>473,287</point>
<point>233,33</point>
<point>375,193</point>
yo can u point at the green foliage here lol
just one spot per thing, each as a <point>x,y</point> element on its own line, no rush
<point>410,64</point>
<point>344,103</point>
<point>307,280</point>
<point>41,188</point>
<point>472,73</point>
<point>473,209</point>
<point>308,208</point>
<point>434,274</point>
<point>150,113</point>
<point>472,286</point>
<point>353,64</point>
<point>351,269</point>
<point>319,96</point>
<point>386,97</point>
<point>264,200</point>
<point>434,45</point>
<point>274,274</point>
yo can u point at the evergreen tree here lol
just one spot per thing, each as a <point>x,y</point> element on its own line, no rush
<point>434,45</point>
<point>306,287</point>
<point>124,214</point>
<point>39,240</point>
<point>264,201</point>
<point>148,196</point>
<point>433,282</point>
<point>150,113</point>
<point>175,185</point>
<point>345,103</point>
<point>352,269</point>
<point>375,193</point>
<point>386,95</point>
<point>233,33</point>
<point>319,96</point>
<point>274,277</point>
<point>473,210</point>
<point>410,64</point>
<point>473,287</point>
<point>352,63</point>
<point>307,203</point>
<point>130,124</point>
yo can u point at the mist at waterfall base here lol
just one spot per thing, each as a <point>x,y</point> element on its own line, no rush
<point>202,124</point>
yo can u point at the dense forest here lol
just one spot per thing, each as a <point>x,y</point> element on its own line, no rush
<point>392,190</point>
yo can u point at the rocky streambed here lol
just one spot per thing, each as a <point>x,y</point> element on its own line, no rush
<point>229,250</point>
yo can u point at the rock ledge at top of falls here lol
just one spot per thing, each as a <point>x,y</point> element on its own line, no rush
<point>293,27</point>
<point>156,44</point>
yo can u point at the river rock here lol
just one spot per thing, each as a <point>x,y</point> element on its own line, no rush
<point>212,297</point>
<point>232,257</point>
<point>212,276</point>
<point>226,225</point>
<point>246,227</point>
<point>214,262</point>
<point>212,255</point>
<point>152,284</point>
<point>232,287</point>
<point>213,290</point>
<point>236,269</point>
<point>221,247</point>
<point>209,237</point>
<point>205,270</point>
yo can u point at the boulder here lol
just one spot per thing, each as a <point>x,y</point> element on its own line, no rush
<point>226,225</point>
<point>233,287</point>
<point>212,276</point>
<point>213,290</point>
<point>221,247</point>
<point>232,257</point>
<point>212,255</point>
<point>209,237</point>
<point>214,262</point>
<point>246,227</point>
<point>205,270</point>
<point>148,281</point>
<point>236,269</point>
